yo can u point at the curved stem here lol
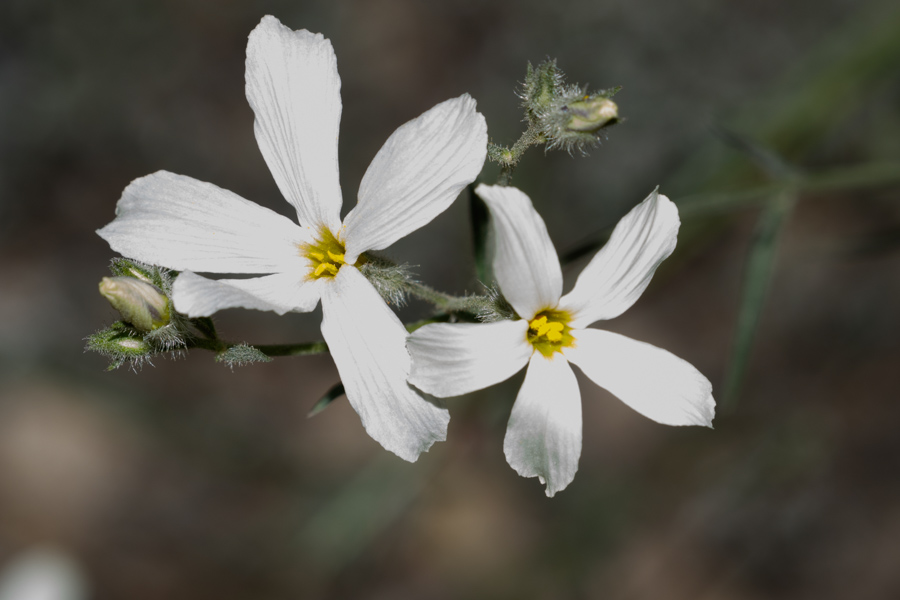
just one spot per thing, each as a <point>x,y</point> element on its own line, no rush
<point>445,302</point>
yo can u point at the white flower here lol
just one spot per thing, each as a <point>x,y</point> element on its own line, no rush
<point>293,87</point>
<point>543,437</point>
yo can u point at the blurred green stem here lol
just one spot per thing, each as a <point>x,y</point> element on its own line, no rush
<point>834,180</point>
<point>707,204</point>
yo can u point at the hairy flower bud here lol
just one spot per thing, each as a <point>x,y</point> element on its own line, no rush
<point>132,346</point>
<point>121,343</point>
<point>140,303</point>
<point>576,120</point>
<point>542,87</point>
<point>124,267</point>
<point>590,114</point>
<point>561,115</point>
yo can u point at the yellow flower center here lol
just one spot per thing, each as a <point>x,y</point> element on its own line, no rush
<point>325,255</point>
<point>549,331</point>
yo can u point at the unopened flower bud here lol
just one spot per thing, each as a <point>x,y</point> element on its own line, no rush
<point>140,303</point>
<point>590,114</point>
<point>543,85</point>
<point>132,346</point>
<point>576,120</point>
<point>124,267</point>
<point>132,271</point>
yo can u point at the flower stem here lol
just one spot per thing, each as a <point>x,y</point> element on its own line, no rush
<point>304,349</point>
<point>839,179</point>
<point>508,158</point>
<point>445,302</point>
<point>294,349</point>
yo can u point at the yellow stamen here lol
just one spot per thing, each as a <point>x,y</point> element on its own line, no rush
<point>325,255</point>
<point>549,331</point>
<point>325,267</point>
<point>536,323</point>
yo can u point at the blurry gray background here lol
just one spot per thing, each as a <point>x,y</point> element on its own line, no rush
<point>186,480</point>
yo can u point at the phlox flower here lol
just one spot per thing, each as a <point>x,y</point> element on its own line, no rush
<point>293,87</point>
<point>543,437</point>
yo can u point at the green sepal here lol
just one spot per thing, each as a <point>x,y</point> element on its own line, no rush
<point>158,276</point>
<point>120,343</point>
<point>389,279</point>
<point>495,307</point>
<point>541,88</point>
<point>206,327</point>
<point>242,354</point>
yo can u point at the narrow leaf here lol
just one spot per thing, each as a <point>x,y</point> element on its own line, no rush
<point>336,391</point>
<point>360,511</point>
<point>765,158</point>
<point>757,275</point>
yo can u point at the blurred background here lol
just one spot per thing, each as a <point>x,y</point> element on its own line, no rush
<point>186,480</point>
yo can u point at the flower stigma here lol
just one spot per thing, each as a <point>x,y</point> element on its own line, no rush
<point>549,331</point>
<point>325,255</point>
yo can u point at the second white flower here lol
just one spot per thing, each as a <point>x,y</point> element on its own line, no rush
<point>543,438</point>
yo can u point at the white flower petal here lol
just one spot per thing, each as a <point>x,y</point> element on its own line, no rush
<point>621,271</point>
<point>368,344</point>
<point>525,263</point>
<point>543,438</point>
<point>293,87</point>
<point>652,381</point>
<point>455,359</point>
<point>43,573</point>
<point>182,223</point>
<point>198,296</point>
<point>417,174</point>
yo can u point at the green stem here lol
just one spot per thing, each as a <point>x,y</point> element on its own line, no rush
<point>508,158</point>
<point>835,180</point>
<point>478,217</point>
<point>293,349</point>
<point>208,344</point>
<point>305,349</point>
<point>444,302</point>
<point>219,346</point>
<point>698,205</point>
